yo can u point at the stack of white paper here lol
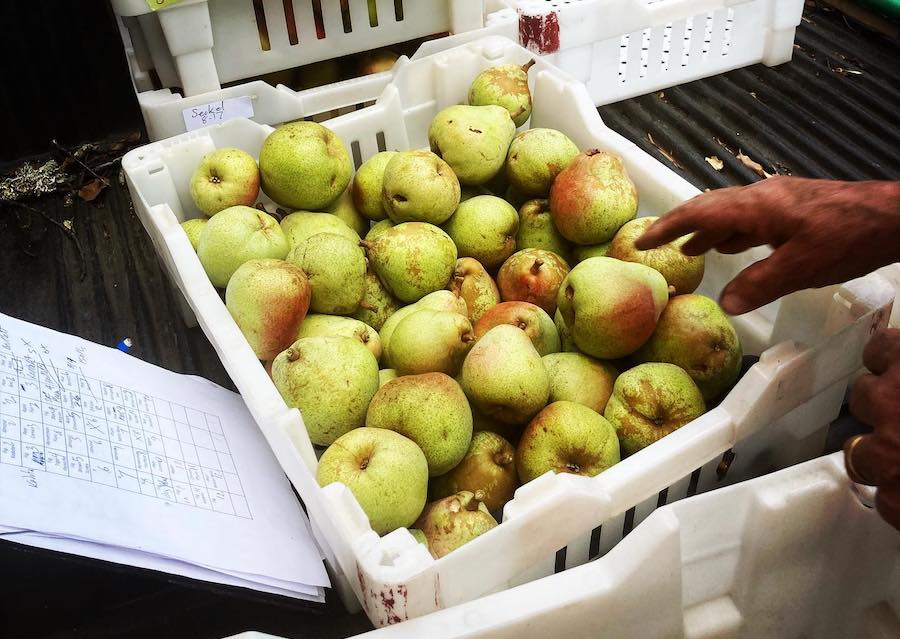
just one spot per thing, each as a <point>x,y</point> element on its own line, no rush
<point>106,456</point>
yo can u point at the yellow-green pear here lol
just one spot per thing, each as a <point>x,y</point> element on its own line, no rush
<point>503,376</point>
<point>367,185</point>
<point>226,177</point>
<point>385,375</point>
<point>412,259</point>
<point>331,380</point>
<point>268,300</point>
<point>484,227</point>
<point>193,228</point>
<point>650,401</point>
<point>378,227</point>
<point>302,225</point>
<point>611,307</point>
<point>236,235</point>
<point>505,85</point>
<point>430,341</point>
<point>473,140</point>
<point>453,521</point>
<point>536,157</point>
<point>418,186</point>
<point>592,198</point>
<point>531,319</point>
<point>536,229</point>
<point>344,209</point>
<point>475,285</point>
<point>316,325</point>
<point>694,333</point>
<point>304,166</point>
<point>377,304</point>
<point>419,536</point>
<point>581,253</point>
<point>430,409</point>
<point>566,343</point>
<point>682,272</point>
<point>566,437</point>
<point>336,268</point>
<point>488,466</point>
<point>581,379</point>
<point>534,276</point>
<point>386,472</point>
<point>437,301</point>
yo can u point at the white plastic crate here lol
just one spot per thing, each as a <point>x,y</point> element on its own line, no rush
<point>798,553</point>
<point>199,45</point>
<point>810,344</point>
<point>624,48</point>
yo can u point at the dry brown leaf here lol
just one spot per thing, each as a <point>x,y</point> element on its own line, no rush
<point>666,154</point>
<point>91,190</point>
<point>715,162</point>
<point>752,164</point>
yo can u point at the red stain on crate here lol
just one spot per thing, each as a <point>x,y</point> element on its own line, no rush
<point>539,33</point>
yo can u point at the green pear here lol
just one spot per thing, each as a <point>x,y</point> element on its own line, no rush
<point>236,235</point>
<point>536,229</point>
<point>531,319</point>
<point>268,300</point>
<point>592,198</point>
<point>193,228</point>
<point>485,228</point>
<point>453,521</point>
<point>505,85</point>
<point>473,140</point>
<point>419,536</point>
<point>566,343</point>
<point>367,185</point>
<point>418,186</point>
<point>316,325</point>
<point>503,376</point>
<point>430,341</point>
<point>581,253</point>
<point>611,307</point>
<point>226,177</point>
<point>532,275</point>
<point>566,437</point>
<point>694,333</point>
<point>331,380</point>
<point>377,304</point>
<point>336,267</point>
<point>682,272</point>
<point>385,471</point>
<point>437,301</point>
<point>378,227</point>
<point>432,410</point>
<point>650,401</point>
<point>475,285</point>
<point>302,225</point>
<point>344,209</point>
<point>379,60</point>
<point>385,375</point>
<point>581,379</point>
<point>536,157</point>
<point>304,166</point>
<point>412,259</point>
<point>488,466</point>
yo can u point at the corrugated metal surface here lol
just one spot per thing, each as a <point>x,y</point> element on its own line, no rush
<point>805,117</point>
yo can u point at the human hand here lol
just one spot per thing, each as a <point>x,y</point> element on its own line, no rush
<point>875,400</point>
<point>822,232</point>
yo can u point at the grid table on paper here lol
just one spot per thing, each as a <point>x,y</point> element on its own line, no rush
<point>59,421</point>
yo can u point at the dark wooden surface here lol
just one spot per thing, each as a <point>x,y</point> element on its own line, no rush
<point>805,118</point>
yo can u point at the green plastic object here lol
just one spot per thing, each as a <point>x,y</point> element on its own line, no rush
<point>889,8</point>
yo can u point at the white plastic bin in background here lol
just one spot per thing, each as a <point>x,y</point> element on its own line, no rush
<point>199,45</point>
<point>810,345</point>
<point>798,553</point>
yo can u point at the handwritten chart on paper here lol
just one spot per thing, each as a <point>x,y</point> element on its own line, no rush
<point>98,446</point>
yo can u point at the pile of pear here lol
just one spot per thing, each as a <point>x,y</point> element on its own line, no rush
<point>458,321</point>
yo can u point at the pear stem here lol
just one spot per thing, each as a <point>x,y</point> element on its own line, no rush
<point>479,497</point>
<point>536,267</point>
<point>365,244</point>
<point>528,65</point>
<point>503,458</point>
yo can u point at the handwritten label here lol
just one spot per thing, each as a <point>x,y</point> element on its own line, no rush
<point>202,115</point>
<point>161,4</point>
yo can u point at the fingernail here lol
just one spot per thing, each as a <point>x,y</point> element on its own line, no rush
<point>733,304</point>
